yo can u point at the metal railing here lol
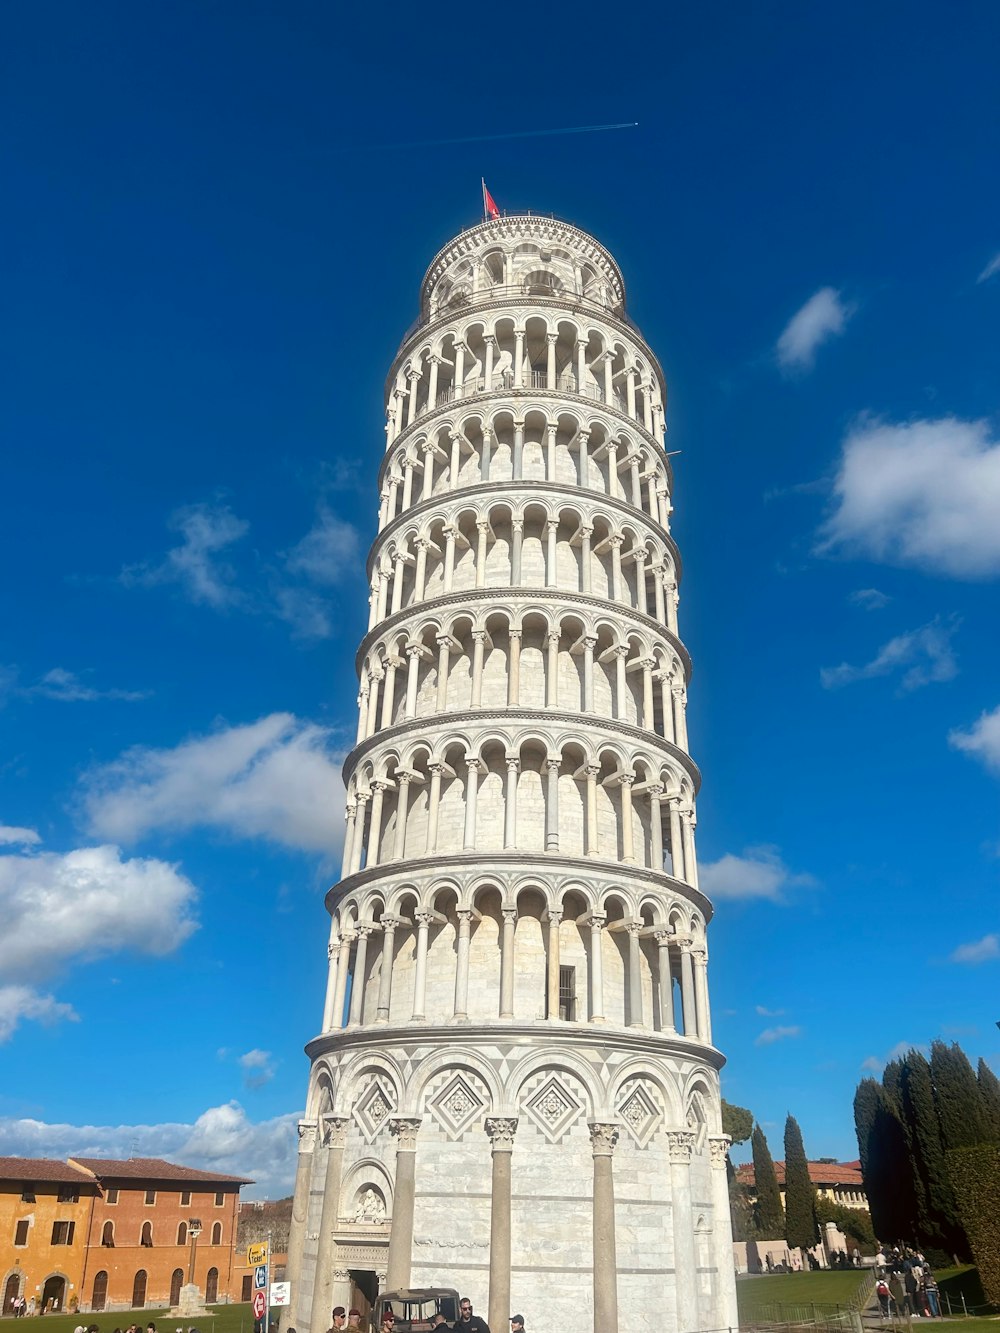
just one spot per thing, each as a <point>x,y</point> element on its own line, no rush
<point>463,300</point>
<point>536,379</point>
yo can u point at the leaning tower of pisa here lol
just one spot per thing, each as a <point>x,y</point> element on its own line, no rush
<point>515,1090</point>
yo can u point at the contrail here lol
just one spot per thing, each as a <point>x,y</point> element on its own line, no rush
<point>487,138</point>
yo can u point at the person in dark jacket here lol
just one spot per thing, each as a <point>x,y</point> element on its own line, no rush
<point>467,1322</point>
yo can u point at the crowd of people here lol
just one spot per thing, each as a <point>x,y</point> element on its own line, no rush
<point>349,1321</point>
<point>905,1284</point>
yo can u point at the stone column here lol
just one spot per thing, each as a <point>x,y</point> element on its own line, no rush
<point>460,350</point>
<point>491,343</point>
<point>402,809</point>
<point>449,557</point>
<point>433,807</point>
<point>343,966</point>
<point>507,963</point>
<point>501,1130</point>
<point>701,995</point>
<point>628,843</point>
<point>423,920</point>
<point>420,574</point>
<point>640,581</point>
<point>680,1143</point>
<point>335,1128</point>
<point>593,840</point>
<point>518,362</point>
<point>671,599</point>
<point>552,989</point>
<point>388,694</point>
<point>486,455</point>
<point>722,1239</point>
<point>676,843</point>
<point>471,797</point>
<point>661,612</point>
<point>300,1209</point>
<point>680,718</point>
<point>617,582</point>
<point>517,464</point>
<point>630,392</point>
<point>634,975</point>
<point>621,687</point>
<point>360,963</point>
<point>550,453</point>
<point>656,827</point>
<point>581,365</point>
<point>583,439</point>
<point>589,644</point>
<point>510,803</point>
<point>552,767</point>
<point>609,379</point>
<point>517,535</point>
<point>648,720</point>
<point>389,924</point>
<point>443,666</point>
<point>665,981</point>
<point>396,605</point>
<point>432,392</point>
<point>614,488</point>
<point>688,822</point>
<point>596,970</point>
<point>464,915</point>
<point>332,968</point>
<point>414,651</point>
<point>688,1002</point>
<point>401,1234</point>
<point>358,841</point>
<point>375,823</point>
<point>603,1138</point>
<point>586,573</point>
<point>552,669</point>
<point>550,363</point>
<point>666,705</point>
<point>411,406</point>
<point>551,572</point>
<point>478,657</point>
<point>514,669</point>
<point>482,531</point>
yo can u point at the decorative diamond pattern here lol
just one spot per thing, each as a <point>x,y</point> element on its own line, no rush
<point>373,1109</point>
<point>457,1105</point>
<point>639,1114</point>
<point>554,1109</point>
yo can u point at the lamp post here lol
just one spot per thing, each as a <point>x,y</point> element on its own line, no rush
<point>194,1231</point>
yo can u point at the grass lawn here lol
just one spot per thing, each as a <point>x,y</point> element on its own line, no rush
<point>221,1319</point>
<point>823,1288</point>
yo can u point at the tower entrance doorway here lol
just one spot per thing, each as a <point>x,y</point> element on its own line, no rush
<point>364,1289</point>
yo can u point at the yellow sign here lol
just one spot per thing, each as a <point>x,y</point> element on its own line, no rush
<point>256,1254</point>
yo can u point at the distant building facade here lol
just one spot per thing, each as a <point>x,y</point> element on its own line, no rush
<point>105,1234</point>
<point>839,1181</point>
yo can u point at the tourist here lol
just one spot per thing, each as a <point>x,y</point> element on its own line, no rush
<point>517,1323</point>
<point>930,1290</point>
<point>884,1297</point>
<point>467,1321</point>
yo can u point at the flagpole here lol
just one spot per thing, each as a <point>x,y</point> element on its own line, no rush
<point>482,181</point>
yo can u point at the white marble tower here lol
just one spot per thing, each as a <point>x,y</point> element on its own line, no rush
<point>515,1090</point>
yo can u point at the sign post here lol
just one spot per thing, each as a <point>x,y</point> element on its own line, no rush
<point>259,1259</point>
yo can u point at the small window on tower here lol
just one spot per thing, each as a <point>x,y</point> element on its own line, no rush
<point>567,994</point>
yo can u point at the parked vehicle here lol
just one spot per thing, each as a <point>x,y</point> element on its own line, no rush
<point>415,1307</point>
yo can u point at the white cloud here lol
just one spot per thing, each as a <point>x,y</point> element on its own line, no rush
<point>924,494</point>
<point>869,599</point>
<point>982,740</point>
<point>222,1139</point>
<point>24,1002</point>
<point>305,611</point>
<point>194,565</point>
<point>70,907</point>
<point>925,653</point>
<point>823,316</point>
<point>277,778</point>
<point>758,873</point>
<point>258,1068</point>
<point>991,269</point>
<point>770,1035</point>
<point>328,552</point>
<point>977,951</point>
<point>876,1063</point>
<point>11,836</point>
<point>768,1013</point>
<point>67,687</point>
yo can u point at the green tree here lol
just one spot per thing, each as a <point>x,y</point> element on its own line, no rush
<point>737,1122</point>
<point>768,1214</point>
<point>741,1211</point>
<point>800,1192</point>
<point>989,1091</point>
<point>853,1222</point>
<point>937,1220</point>
<point>960,1107</point>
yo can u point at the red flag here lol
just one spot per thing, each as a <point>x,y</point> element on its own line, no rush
<point>490,209</point>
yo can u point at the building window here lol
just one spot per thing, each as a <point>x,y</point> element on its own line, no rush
<point>68,1194</point>
<point>185,1198</point>
<point>220,1198</point>
<point>146,1238</point>
<point>108,1235</point>
<point>21,1232</point>
<point>62,1233</point>
<point>176,1282</point>
<point>216,1233</point>
<point>182,1238</point>
<point>212,1286</point>
<point>28,1194</point>
<point>100,1296</point>
<point>150,1198</point>
<point>111,1197</point>
<point>139,1288</point>
<point>567,993</point>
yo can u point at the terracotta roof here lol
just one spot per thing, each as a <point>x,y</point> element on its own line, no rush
<point>153,1168</point>
<point>820,1173</point>
<point>42,1169</point>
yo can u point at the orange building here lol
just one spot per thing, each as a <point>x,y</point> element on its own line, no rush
<point>103,1234</point>
<point>45,1209</point>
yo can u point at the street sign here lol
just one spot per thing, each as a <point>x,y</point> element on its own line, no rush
<point>260,1277</point>
<point>256,1254</point>
<point>259,1305</point>
<point>281,1293</point>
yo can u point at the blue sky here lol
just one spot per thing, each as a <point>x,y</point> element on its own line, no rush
<point>213,244</point>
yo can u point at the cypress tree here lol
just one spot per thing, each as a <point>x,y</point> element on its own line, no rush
<point>938,1222</point>
<point>800,1192</point>
<point>957,1099</point>
<point>769,1216</point>
<point>885,1163</point>
<point>989,1091</point>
